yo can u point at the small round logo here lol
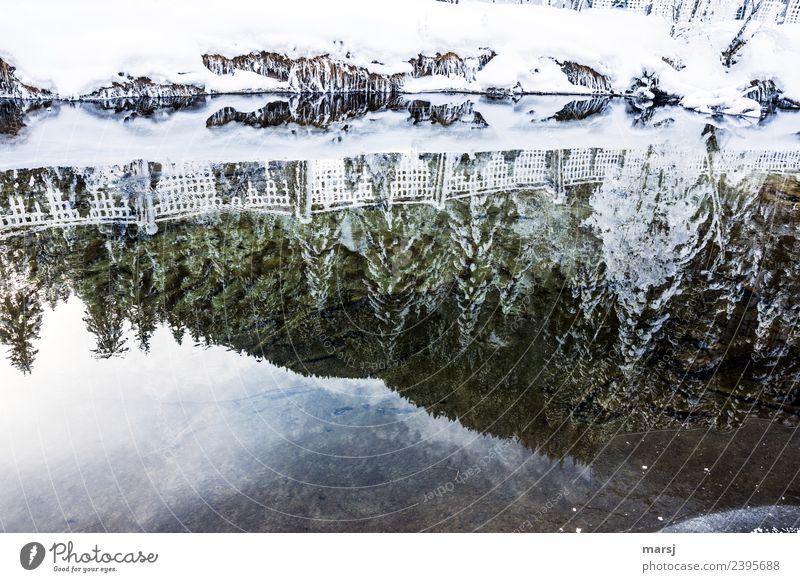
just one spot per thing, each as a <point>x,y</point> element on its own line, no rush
<point>31,555</point>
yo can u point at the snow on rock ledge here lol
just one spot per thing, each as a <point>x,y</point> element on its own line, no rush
<point>13,88</point>
<point>325,74</point>
<point>767,93</point>
<point>76,50</point>
<point>143,88</point>
<point>726,102</point>
<point>584,76</point>
<point>319,74</point>
<point>451,65</point>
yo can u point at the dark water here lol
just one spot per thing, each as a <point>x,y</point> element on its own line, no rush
<point>525,340</point>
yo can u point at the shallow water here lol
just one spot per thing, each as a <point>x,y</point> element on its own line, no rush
<point>540,339</point>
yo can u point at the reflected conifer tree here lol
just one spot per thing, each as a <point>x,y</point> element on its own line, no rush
<point>20,325</point>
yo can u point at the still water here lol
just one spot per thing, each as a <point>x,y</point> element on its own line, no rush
<point>552,339</point>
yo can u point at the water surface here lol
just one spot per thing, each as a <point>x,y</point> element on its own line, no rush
<point>540,339</point>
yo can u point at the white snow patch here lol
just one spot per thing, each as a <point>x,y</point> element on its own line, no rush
<point>74,48</point>
<point>726,101</point>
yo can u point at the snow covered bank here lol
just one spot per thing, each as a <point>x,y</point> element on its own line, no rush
<point>85,50</point>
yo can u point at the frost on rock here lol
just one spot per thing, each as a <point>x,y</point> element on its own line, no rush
<point>584,76</point>
<point>264,63</point>
<point>450,65</point>
<point>319,74</point>
<point>324,74</point>
<point>725,102</point>
<point>13,88</point>
<point>504,92</point>
<point>144,88</point>
<point>647,87</point>
<point>767,93</point>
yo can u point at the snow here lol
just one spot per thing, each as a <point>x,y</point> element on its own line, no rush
<point>75,48</point>
<point>728,102</point>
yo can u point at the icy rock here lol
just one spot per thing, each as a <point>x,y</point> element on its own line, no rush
<point>763,91</point>
<point>725,102</point>
<point>268,64</point>
<point>504,92</point>
<point>13,88</point>
<point>647,87</point>
<point>324,74</point>
<point>450,65</point>
<point>319,74</point>
<point>767,93</point>
<point>144,88</point>
<point>584,76</point>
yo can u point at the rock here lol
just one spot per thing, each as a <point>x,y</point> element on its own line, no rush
<point>13,88</point>
<point>144,88</point>
<point>320,74</point>
<point>584,76</point>
<point>767,93</point>
<point>323,74</point>
<point>450,65</point>
<point>647,88</point>
<point>504,92</point>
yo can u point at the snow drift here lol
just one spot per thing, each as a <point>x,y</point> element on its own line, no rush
<point>84,50</point>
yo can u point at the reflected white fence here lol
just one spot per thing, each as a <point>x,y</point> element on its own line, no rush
<point>144,194</point>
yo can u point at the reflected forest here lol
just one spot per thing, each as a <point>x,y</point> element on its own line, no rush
<point>657,289</point>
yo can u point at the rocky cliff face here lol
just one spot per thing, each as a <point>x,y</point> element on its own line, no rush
<point>144,88</point>
<point>324,74</point>
<point>585,77</point>
<point>767,93</point>
<point>320,74</point>
<point>450,65</point>
<point>13,88</point>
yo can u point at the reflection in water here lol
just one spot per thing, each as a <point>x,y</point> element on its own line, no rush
<point>321,111</point>
<point>581,109</point>
<point>405,341</point>
<point>317,110</point>
<point>12,114</point>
